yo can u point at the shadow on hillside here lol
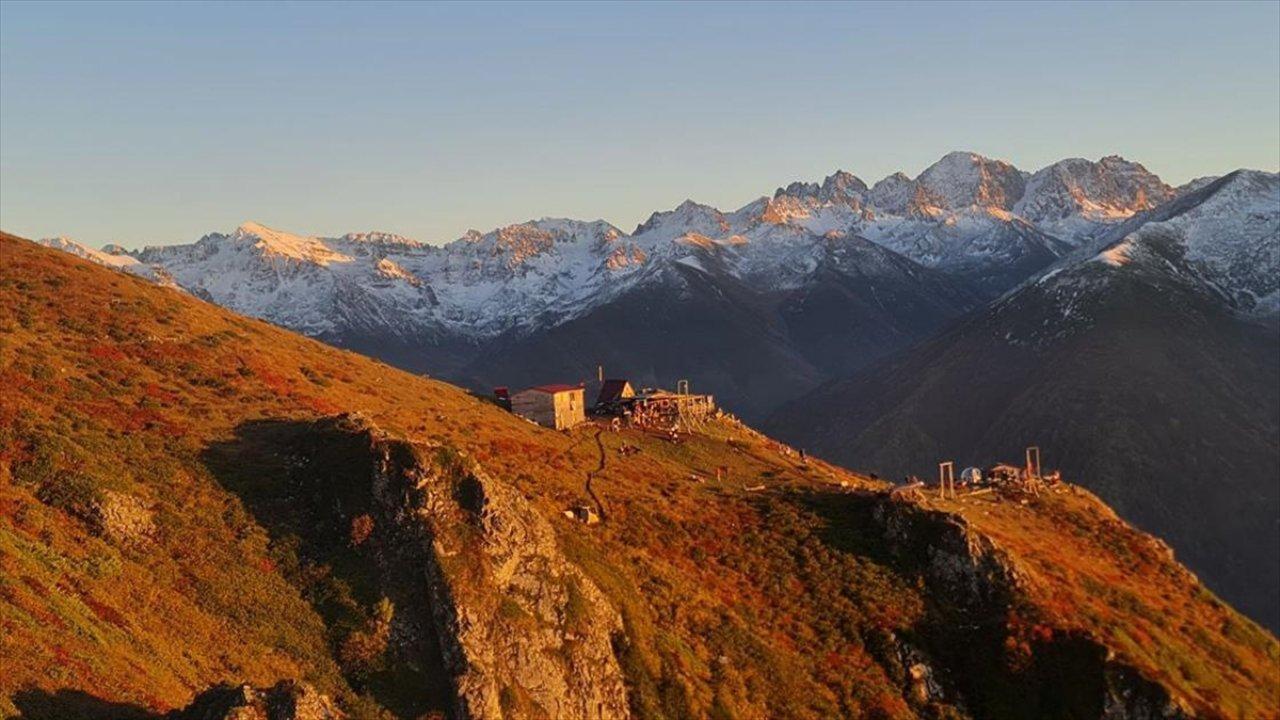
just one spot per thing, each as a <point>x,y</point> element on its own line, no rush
<point>35,704</point>
<point>962,631</point>
<point>849,525</point>
<point>306,483</point>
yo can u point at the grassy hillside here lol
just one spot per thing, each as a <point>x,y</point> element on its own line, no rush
<point>782,600</point>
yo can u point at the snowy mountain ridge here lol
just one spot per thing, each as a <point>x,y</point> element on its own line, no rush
<point>1220,242</point>
<point>981,220</point>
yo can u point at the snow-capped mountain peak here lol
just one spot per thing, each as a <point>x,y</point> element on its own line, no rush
<point>270,241</point>
<point>1220,242</point>
<point>965,179</point>
<point>1076,197</point>
<point>688,216</point>
<point>840,186</point>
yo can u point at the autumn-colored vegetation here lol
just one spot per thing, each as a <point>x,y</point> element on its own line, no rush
<point>776,603</point>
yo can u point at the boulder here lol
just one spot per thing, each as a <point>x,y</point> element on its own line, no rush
<point>286,700</point>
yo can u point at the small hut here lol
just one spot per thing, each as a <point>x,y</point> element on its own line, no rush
<point>614,392</point>
<point>553,406</point>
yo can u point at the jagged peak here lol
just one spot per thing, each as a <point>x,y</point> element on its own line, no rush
<point>688,214</point>
<point>1106,190</point>
<point>253,227</point>
<point>544,230</point>
<point>964,179</point>
<point>798,188</point>
<point>839,186</point>
<point>893,179</point>
<point>844,181</point>
<point>965,159</point>
<point>377,237</point>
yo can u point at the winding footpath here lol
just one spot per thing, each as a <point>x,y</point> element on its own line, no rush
<point>592,473</point>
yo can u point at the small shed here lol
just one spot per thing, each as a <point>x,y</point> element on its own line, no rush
<point>553,406</point>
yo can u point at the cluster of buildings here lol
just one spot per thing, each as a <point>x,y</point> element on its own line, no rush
<point>559,406</point>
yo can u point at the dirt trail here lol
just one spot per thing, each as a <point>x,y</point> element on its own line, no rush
<point>592,473</point>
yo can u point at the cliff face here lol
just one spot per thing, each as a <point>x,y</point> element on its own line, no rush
<point>473,588</point>
<point>522,631</point>
<point>983,588</point>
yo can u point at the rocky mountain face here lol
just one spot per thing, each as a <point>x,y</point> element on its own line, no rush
<point>516,630</point>
<point>299,512</point>
<point>1076,198</point>
<point>1145,363</point>
<point>810,296</point>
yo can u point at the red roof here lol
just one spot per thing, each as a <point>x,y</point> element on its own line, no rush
<point>555,388</point>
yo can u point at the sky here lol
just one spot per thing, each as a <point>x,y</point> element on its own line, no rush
<point>157,123</point>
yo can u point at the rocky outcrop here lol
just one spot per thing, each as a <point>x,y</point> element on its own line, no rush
<point>286,700</point>
<point>983,586</point>
<point>522,631</point>
<point>122,518</point>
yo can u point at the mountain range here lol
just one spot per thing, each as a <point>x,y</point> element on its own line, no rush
<point>1126,325</point>
<point>756,305</point>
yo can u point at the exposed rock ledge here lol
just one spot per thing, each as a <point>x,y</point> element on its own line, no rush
<point>522,631</point>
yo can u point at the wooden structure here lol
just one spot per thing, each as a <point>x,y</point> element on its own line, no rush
<point>554,406</point>
<point>1004,472</point>
<point>913,491</point>
<point>668,410</point>
<point>654,408</point>
<point>947,479</point>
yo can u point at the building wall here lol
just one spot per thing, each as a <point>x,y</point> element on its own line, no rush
<point>570,408</point>
<point>536,406</point>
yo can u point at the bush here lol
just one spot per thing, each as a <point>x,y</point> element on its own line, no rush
<point>70,491</point>
<point>362,651</point>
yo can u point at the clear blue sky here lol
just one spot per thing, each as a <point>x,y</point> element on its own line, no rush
<point>154,123</point>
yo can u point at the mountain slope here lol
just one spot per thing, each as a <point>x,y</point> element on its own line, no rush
<point>1148,369</point>
<point>179,506</point>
